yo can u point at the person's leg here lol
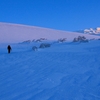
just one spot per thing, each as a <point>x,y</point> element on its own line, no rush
<point>8,51</point>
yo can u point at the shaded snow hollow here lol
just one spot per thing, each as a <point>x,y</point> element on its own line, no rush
<point>64,71</point>
<point>18,33</point>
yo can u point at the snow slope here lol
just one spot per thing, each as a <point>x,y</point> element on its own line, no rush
<point>64,71</point>
<point>18,33</point>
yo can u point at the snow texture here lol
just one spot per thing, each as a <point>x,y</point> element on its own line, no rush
<point>63,71</point>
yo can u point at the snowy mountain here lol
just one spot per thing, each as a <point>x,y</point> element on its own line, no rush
<point>92,31</point>
<point>18,33</point>
<point>46,65</point>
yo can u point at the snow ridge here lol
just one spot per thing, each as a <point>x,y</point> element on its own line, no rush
<point>18,33</point>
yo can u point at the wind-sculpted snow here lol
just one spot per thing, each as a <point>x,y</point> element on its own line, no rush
<point>64,71</point>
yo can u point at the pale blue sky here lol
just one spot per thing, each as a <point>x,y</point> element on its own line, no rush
<point>69,15</point>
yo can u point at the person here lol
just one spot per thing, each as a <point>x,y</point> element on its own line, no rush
<point>9,48</point>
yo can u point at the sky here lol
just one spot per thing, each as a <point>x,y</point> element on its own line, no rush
<point>68,15</point>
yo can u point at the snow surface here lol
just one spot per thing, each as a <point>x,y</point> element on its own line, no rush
<point>64,71</point>
<point>18,33</point>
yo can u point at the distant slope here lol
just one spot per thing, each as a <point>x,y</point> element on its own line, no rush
<point>17,33</point>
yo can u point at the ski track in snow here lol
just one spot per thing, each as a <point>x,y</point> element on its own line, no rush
<point>65,71</point>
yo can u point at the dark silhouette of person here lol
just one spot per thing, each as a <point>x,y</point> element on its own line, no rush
<point>9,48</point>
